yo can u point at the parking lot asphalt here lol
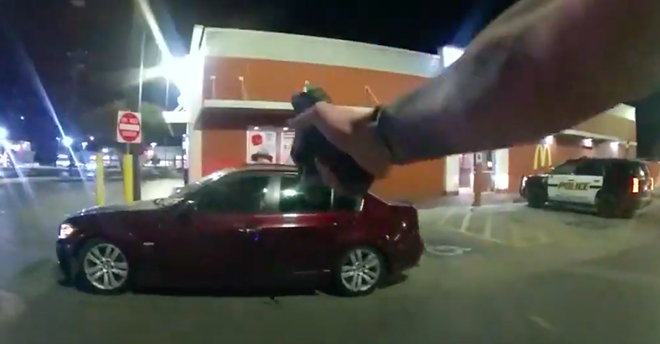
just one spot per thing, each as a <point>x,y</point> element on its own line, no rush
<point>500,274</point>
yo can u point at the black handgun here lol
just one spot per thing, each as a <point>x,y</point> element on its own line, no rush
<point>310,144</point>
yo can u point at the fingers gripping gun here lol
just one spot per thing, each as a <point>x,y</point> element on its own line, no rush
<point>310,145</point>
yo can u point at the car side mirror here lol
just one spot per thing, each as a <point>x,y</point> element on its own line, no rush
<point>184,210</point>
<point>176,190</point>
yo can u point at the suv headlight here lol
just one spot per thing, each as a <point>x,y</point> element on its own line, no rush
<point>66,230</point>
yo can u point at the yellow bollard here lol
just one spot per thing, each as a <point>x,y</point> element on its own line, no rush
<point>128,178</point>
<point>100,180</point>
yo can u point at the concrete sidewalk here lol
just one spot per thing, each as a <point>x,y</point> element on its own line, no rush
<point>466,200</point>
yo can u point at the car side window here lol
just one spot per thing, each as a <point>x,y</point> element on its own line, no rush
<point>565,168</point>
<point>345,203</point>
<point>244,195</point>
<point>590,168</point>
<point>298,198</point>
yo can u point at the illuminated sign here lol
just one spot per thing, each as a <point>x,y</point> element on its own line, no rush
<point>542,156</point>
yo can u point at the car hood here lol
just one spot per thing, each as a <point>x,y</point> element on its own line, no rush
<point>135,206</point>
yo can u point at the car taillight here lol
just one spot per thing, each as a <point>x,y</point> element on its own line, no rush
<point>635,185</point>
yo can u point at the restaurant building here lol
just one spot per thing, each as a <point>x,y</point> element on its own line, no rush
<point>239,83</point>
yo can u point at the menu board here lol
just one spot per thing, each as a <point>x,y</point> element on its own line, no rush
<point>261,146</point>
<point>286,141</point>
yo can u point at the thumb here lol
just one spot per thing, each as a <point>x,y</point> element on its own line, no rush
<point>304,120</point>
<point>313,116</point>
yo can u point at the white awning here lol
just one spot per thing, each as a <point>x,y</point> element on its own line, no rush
<point>256,105</point>
<point>237,105</point>
<point>589,135</point>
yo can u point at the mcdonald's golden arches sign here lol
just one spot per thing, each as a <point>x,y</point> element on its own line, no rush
<point>542,156</point>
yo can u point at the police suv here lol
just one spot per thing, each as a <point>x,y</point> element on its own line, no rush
<point>612,187</point>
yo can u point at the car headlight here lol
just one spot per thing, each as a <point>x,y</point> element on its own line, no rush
<point>66,230</point>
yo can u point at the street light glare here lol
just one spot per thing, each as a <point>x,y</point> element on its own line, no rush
<point>67,141</point>
<point>4,134</point>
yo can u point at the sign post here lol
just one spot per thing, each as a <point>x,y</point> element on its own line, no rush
<point>129,131</point>
<point>478,177</point>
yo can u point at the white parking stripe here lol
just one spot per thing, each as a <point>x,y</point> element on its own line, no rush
<point>466,222</point>
<point>488,227</point>
<point>447,215</point>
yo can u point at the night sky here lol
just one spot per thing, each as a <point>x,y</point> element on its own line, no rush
<point>42,42</point>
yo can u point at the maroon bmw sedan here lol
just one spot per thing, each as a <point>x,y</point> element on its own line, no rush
<point>251,227</point>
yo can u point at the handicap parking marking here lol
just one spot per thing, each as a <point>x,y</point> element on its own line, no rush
<point>514,227</point>
<point>446,250</point>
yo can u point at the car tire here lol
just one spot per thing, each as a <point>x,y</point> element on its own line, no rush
<point>606,206</point>
<point>103,268</point>
<point>359,271</point>
<point>536,198</point>
<point>628,214</point>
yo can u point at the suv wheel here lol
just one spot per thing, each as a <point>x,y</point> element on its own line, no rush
<point>606,206</point>
<point>536,198</point>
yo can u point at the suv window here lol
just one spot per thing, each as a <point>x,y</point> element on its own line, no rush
<point>298,198</point>
<point>590,168</point>
<point>245,194</point>
<point>628,169</point>
<point>566,168</point>
<point>641,170</point>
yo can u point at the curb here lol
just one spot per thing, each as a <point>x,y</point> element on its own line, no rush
<point>517,200</point>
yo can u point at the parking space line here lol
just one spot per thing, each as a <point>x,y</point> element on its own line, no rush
<point>466,222</point>
<point>449,213</point>
<point>542,323</point>
<point>488,229</point>
<point>481,237</point>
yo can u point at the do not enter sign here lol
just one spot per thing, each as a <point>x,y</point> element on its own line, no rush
<point>129,127</point>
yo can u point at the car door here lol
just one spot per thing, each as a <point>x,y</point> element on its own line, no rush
<point>559,182</point>
<point>301,241</point>
<point>224,219</point>
<point>588,180</point>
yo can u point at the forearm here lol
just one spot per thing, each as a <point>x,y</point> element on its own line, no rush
<point>519,82</point>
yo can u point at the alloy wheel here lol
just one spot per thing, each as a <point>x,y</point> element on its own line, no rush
<point>361,271</point>
<point>106,267</point>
